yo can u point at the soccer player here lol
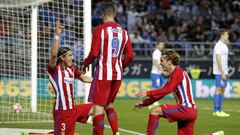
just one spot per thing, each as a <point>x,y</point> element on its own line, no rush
<point>156,72</point>
<point>109,41</point>
<point>62,73</point>
<point>220,70</point>
<point>179,83</point>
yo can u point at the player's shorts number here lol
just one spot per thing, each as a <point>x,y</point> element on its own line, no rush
<point>115,47</point>
<point>63,128</point>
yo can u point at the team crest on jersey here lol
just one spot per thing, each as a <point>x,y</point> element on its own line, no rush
<point>114,30</point>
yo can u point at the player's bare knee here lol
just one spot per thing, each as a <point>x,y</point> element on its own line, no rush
<point>108,106</point>
<point>156,111</point>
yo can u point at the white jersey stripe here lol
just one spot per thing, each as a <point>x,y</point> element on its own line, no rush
<point>61,89</point>
<point>109,53</point>
<point>68,89</point>
<point>185,91</point>
<point>100,77</point>
<point>56,90</point>
<point>117,66</point>
<point>191,94</point>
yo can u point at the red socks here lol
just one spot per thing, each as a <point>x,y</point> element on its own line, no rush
<point>112,118</point>
<point>152,124</point>
<point>98,124</point>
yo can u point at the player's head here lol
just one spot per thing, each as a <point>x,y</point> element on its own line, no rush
<point>160,45</point>
<point>169,59</point>
<point>65,56</point>
<point>224,34</point>
<point>108,10</point>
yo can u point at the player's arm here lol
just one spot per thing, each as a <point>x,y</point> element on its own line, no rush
<point>86,79</point>
<point>219,63</point>
<point>128,53</point>
<point>54,49</point>
<point>94,52</point>
<point>80,76</point>
<point>169,87</point>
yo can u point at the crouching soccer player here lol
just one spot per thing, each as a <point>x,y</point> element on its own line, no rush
<point>184,112</point>
<point>62,73</point>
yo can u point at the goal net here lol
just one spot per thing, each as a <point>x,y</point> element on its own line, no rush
<point>26,36</point>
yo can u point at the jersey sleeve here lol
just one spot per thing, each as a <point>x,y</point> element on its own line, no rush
<point>77,73</point>
<point>128,52</point>
<point>50,70</point>
<point>95,47</point>
<point>172,84</point>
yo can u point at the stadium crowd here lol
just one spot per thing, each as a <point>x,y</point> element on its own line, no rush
<point>175,20</point>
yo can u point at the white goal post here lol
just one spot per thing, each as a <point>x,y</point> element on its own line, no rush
<point>26,36</point>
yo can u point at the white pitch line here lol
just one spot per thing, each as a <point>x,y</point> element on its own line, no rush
<point>126,131</point>
<point>229,110</point>
<point>123,130</point>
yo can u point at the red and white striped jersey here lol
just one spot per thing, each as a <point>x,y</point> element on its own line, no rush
<point>109,41</point>
<point>180,84</point>
<point>62,80</point>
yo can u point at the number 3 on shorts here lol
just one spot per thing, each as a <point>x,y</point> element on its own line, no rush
<point>63,128</point>
<point>115,47</point>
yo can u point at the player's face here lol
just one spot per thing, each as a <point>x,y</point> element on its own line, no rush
<point>160,45</point>
<point>68,58</point>
<point>165,63</point>
<point>226,35</point>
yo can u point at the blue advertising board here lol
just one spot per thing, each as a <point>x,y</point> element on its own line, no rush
<point>202,88</point>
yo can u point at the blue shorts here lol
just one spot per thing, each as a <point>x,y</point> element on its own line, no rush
<point>219,82</point>
<point>157,80</point>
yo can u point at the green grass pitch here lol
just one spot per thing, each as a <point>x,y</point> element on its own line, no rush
<point>137,120</point>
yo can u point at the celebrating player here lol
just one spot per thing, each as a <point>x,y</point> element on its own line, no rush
<point>179,83</point>
<point>220,70</point>
<point>109,41</point>
<point>62,73</point>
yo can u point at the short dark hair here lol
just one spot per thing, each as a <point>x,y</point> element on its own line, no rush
<point>223,30</point>
<point>172,55</point>
<point>62,52</point>
<point>108,9</point>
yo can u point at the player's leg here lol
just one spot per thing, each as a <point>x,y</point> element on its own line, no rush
<point>110,111</point>
<point>218,97</point>
<point>222,113</point>
<point>83,112</point>
<point>186,127</point>
<point>98,119</point>
<point>153,120</point>
<point>64,122</point>
<point>112,118</point>
<point>184,115</point>
<point>98,90</point>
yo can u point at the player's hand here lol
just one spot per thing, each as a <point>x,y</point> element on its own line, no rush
<point>84,69</point>
<point>224,77</point>
<point>59,28</point>
<point>142,94</point>
<point>138,105</point>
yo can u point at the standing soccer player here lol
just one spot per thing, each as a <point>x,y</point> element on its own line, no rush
<point>220,70</point>
<point>62,73</point>
<point>109,41</point>
<point>179,83</point>
<point>156,72</point>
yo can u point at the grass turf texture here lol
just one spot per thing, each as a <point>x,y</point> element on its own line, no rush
<point>137,120</point>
